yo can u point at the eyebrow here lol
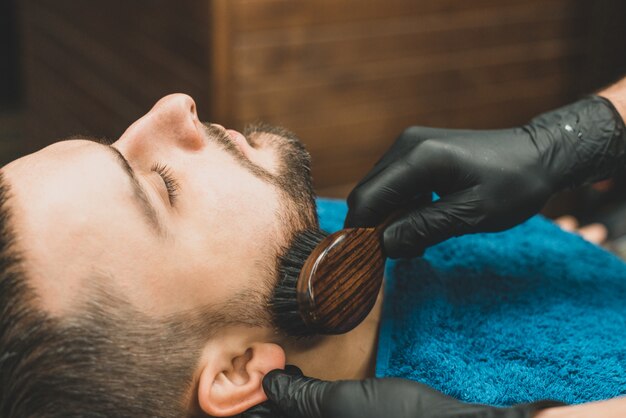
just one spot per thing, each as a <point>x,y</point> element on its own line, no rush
<point>141,199</point>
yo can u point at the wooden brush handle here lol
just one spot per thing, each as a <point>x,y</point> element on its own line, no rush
<point>340,280</point>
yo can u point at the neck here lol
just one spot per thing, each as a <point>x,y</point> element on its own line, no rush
<point>617,95</point>
<point>347,356</point>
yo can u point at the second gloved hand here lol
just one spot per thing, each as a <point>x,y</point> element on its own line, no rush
<point>293,395</point>
<point>487,180</point>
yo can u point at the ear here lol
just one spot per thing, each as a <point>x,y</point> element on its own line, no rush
<point>231,382</point>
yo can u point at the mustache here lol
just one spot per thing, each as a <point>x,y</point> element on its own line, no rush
<point>281,136</point>
<point>219,135</point>
<point>252,133</point>
<point>294,174</point>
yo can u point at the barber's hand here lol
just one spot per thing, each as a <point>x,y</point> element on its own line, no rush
<point>292,395</point>
<point>487,180</point>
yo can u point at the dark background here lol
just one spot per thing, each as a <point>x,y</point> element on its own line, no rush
<point>346,75</point>
<point>11,83</point>
<point>9,56</point>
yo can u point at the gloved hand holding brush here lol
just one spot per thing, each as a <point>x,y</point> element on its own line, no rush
<point>487,180</point>
<point>293,395</point>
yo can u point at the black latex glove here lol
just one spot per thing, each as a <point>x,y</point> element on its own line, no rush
<point>488,180</point>
<point>292,395</point>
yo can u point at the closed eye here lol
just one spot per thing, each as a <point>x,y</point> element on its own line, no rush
<point>171,185</point>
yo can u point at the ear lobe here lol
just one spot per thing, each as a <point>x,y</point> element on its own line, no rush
<point>230,384</point>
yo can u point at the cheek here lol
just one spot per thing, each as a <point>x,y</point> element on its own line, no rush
<point>242,224</point>
<point>233,203</point>
<point>231,230</point>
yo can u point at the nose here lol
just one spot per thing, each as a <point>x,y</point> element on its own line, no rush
<point>174,118</point>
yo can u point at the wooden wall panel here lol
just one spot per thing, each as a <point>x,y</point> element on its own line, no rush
<point>94,70</point>
<point>346,75</point>
<point>350,44</point>
<point>271,14</point>
<point>349,75</point>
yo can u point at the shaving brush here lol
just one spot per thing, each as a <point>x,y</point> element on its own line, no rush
<point>328,283</point>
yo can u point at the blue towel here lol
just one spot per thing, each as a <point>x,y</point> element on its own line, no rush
<point>530,313</point>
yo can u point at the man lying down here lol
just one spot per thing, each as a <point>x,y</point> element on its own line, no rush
<point>136,280</point>
<point>136,276</point>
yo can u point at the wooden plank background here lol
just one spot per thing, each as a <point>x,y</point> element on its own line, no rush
<point>346,75</point>
<point>94,70</point>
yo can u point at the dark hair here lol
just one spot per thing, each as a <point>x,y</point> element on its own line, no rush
<point>294,179</point>
<point>108,360</point>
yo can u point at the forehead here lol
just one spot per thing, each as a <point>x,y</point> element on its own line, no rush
<point>79,173</point>
<point>67,175</point>
<point>73,212</point>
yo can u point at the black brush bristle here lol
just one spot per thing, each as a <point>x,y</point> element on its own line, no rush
<point>284,301</point>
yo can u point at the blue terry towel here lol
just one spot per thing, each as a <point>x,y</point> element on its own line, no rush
<point>530,313</point>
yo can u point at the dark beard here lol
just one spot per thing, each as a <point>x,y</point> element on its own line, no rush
<point>294,174</point>
<point>294,177</point>
<point>294,182</point>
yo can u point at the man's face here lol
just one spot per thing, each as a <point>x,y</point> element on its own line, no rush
<point>174,216</point>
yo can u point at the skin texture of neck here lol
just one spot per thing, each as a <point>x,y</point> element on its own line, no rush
<point>617,95</point>
<point>348,356</point>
